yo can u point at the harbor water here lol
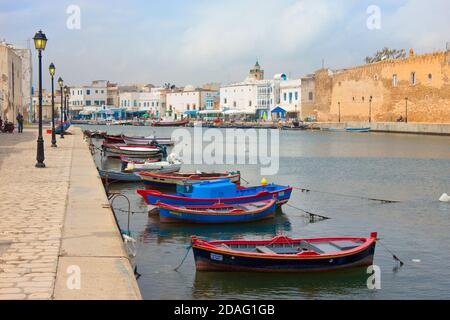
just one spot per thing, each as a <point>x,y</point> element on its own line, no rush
<point>342,170</point>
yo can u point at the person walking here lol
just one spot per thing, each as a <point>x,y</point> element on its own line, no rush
<point>20,122</point>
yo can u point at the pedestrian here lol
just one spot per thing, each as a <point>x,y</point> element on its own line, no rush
<point>20,122</point>
<point>1,123</point>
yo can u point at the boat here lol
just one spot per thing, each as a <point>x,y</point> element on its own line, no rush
<point>117,150</point>
<point>218,212</point>
<point>148,140</point>
<point>220,190</point>
<point>172,180</point>
<point>178,123</point>
<point>114,139</point>
<point>358,129</point>
<point>65,126</point>
<point>112,175</point>
<point>173,164</point>
<point>283,254</point>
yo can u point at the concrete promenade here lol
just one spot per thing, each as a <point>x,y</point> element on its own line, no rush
<point>58,238</point>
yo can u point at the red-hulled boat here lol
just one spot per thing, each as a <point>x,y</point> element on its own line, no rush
<point>171,180</point>
<point>283,254</point>
<point>118,150</point>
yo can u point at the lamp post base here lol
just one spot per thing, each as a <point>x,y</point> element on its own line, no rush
<point>54,146</point>
<point>40,165</point>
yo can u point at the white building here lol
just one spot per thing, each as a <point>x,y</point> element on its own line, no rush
<point>188,99</point>
<point>290,97</point>
<point>152,102</point>
<point>253,95</point>
<point>86,96</point>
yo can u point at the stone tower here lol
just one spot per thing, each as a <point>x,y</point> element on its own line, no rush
<point>256,73</point>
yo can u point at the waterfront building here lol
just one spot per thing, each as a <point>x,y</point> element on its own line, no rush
<point>85,96</point>
<point>15,81</point>
<point>152,101</point>
<point>290,97</point>
<point>189,100</point>
<point>46,105</point>
<point>414,89</point>
<point>254,95</point>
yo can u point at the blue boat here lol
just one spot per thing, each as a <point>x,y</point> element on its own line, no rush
<point>65,126</point>
<point>358,129</point>
<point>218,213</point>
<point>217,191</point>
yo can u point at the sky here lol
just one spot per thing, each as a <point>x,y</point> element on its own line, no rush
<point>199,41</point>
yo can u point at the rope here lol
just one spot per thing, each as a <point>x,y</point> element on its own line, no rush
<point>347,195</point>
<point>307,212</point>
<point>393,255</point>
<point>187,252</point>
<point>132,212</point>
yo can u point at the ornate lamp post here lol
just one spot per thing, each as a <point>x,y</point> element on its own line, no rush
<point>60,83</point>
<point>40,41</point>
<point>51,69</point>
<point>66,109</point>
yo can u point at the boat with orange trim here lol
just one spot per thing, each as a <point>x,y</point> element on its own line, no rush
<point>283,254</point>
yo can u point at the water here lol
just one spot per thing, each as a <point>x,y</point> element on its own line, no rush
<point>411,168</point>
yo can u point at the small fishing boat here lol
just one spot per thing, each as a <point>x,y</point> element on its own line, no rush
<point>221,190</point>
<point>283,254</point>
<point>172,180</point>
<point>218,212</point>
<point>358,129</point>
<point>148,140</point>
<point>178,123</point>
<point>65,126</point>
<point>173,164</point>
<point>112,175</point>
<point>117,150</point>
<point>114,139</point>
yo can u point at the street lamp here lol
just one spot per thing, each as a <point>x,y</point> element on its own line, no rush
<point>406,109</point>
<point>370,109</point>
<point>40,41</point>
<point>51,69</point>
<point>66,112</point>
<point>60,83</point>
<point>339,112</point>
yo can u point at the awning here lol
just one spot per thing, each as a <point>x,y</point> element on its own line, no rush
<point>278,110</point>
<point>210,112</point>
<point>191,112</point>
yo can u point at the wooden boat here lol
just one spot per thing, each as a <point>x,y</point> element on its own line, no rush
<point>94,134</point>
<point>283,254</point>
<point>173,164</point>
<point>148,140</point>
<point>221,190</point>
<point>178,123</point>
<point>172,180</point>
<point>218,212</point>
<point>65,126</point>
<point>112,175</point>
<point>117,150</point>
<point>114,139</point>
<point>358,129</point>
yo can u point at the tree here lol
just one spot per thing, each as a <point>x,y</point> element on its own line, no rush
<point>385,54</point>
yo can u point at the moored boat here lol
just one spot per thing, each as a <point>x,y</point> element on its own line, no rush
<point>178,123</point>
<point>114,139</point>
<point>65,126</point>
<point>117,150</point>
<point>172,180</point>
<point>283,254</point>
<point>173,164</point>
<point>218,212</point>
<point>358,129</point>
<point>221,190</point>
<point>148,140</point>
<point>112,175</point>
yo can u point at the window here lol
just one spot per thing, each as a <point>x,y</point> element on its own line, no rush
<point>194,106</point>
<point>394,80</point>
<point>234,104</point>
<point>88,92</point>
<point>88,102</point>
<point>285,96</point>
<point>296,96</point>
<point>413,78</point>
<point>290,97</point>
<point>430,76</point>
<point>188,107</point>
<point>250,103</point>
<point>310,96</point>
<point>225,100</point>
<point>96,91</point>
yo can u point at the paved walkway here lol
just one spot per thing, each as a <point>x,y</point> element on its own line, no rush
<point>32,209</point>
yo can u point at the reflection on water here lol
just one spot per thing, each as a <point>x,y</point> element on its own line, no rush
<point>413,169</point>
<point>278,286</point>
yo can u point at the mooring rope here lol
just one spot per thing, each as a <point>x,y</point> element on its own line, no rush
<point>393,255</point>
<point>307,212</point>
<point>186,255</point>
<point>347,195</point>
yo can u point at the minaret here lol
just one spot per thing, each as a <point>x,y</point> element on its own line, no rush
<point>256,73</point>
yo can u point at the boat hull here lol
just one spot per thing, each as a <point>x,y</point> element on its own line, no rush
<point>153,197</point>
<point>119,176</point>
<point>147,141</point>
<point>65,126</point>
<point>168,181</point>
<point>116,151</point>
<point>178,215</point>
<point>211,260</point>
